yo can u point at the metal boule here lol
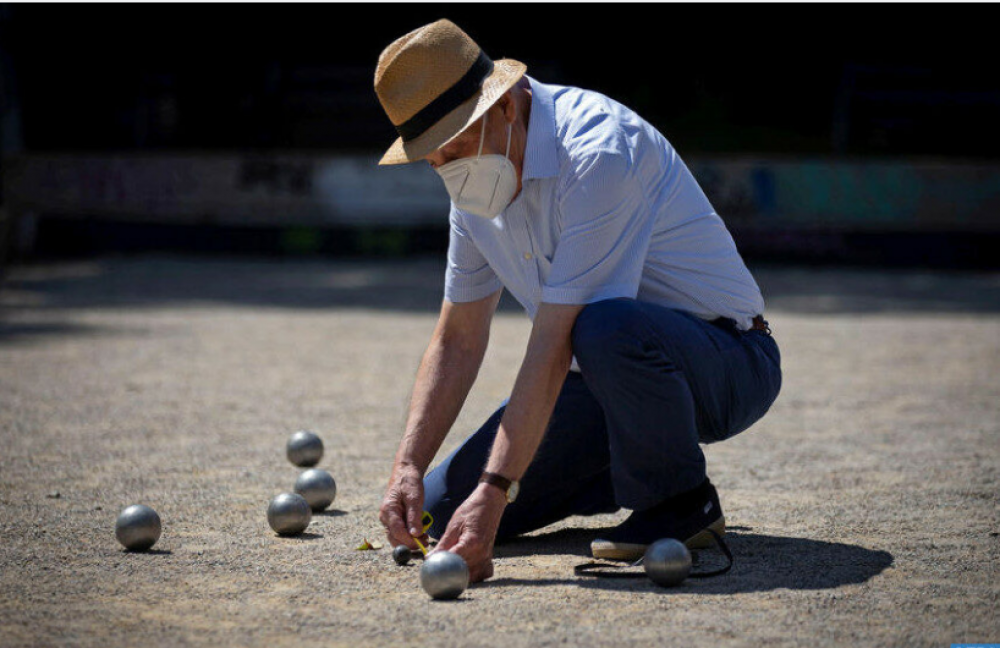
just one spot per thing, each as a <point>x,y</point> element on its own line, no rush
<point>667,562</point>
<point>289,514</point>
<point>444,575</point>
<point>304,449</point>
<point>318,487</point>
<point>138,527</point>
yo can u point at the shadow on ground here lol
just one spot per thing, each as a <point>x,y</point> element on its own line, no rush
<point>415,285</point>
<point>762,563</point>
<point>12,331</point>
<point>405,285</point>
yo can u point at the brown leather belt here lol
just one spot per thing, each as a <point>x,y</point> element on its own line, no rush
<point>760,324</point>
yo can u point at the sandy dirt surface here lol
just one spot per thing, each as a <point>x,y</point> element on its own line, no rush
<point>863,507</point>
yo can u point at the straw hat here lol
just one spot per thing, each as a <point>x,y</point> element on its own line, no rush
<point>433,83</point>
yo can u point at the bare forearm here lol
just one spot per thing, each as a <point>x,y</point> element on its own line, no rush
<point>536,389</point>
<point>446,374</point>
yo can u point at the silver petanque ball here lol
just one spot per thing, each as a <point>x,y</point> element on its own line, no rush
<point>138,527</point>
<point>289,514</point>
<point>667,562</point>
<point>318,487</point>
<point>444,575</point>
<point>304,449</point>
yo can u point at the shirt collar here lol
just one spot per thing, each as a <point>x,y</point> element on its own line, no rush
<point>541,159</point>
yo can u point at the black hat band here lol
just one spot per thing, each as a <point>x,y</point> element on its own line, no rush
<point>452,98</point>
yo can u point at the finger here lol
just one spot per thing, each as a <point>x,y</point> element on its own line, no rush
<point>482,571</point>
<point>396,532</point>
<point>414,513</point>
<point>451,536</point>
<point>396,529</point>
<point>480,565</point>
<point>470,552</point>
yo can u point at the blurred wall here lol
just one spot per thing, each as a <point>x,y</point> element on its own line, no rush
<point>315,190</point>
<point>935,214</point>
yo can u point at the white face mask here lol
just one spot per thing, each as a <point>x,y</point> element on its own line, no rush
<point>483,185</point>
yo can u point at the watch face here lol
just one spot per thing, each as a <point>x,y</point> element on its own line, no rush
<point>515,488</point>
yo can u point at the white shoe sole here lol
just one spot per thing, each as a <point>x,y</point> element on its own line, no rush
<point>609,550</point>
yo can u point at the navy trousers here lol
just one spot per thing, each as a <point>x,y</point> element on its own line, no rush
<point>654,383</point>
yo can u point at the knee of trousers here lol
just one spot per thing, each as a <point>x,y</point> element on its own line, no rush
<point>442,516</point>
<point>439,500</point>
<point>608,330</point>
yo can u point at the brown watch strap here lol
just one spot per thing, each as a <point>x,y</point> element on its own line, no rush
<point>499,481</point>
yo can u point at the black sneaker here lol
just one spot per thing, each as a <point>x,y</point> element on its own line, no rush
<point>686,517</point>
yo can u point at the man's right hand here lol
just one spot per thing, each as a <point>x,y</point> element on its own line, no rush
<point>403,506</point>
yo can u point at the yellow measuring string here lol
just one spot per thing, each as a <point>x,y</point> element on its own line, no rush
<point>427,521</point>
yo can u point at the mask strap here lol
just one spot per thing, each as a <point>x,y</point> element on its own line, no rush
<point>506,155</point>
<point>482,136</point>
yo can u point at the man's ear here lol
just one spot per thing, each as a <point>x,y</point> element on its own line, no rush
<point>508,106</point>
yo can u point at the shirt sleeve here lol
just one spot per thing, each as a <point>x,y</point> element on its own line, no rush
<point>605,233</point>
<point>468,276</point>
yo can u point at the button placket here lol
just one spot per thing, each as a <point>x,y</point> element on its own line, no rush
<point>517,220</point>
<point>531,268</point>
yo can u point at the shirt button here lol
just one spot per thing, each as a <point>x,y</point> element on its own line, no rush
<point>527,256</point>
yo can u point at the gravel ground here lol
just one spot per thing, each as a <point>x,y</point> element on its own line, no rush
<point>863,507</point>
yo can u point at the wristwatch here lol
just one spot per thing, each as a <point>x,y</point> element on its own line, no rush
<point>509,487</point>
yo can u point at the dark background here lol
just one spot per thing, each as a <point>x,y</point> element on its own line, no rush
<point>842,82</point>
<point>832,79</point>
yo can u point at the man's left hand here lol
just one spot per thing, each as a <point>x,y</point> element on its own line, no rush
<point>473,530</point>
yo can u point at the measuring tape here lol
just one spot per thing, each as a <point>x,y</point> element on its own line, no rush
<point>426,520</point>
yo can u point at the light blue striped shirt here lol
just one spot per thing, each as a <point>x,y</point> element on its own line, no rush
<point>607,209</point>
